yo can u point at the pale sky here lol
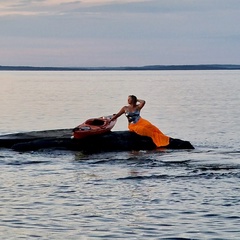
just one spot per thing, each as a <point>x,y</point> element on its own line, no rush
<point>100,33</point>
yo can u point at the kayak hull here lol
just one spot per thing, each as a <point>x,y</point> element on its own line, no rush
<point>94,126</point>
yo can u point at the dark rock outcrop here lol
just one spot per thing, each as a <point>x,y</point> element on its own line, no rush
<point>61,139</point>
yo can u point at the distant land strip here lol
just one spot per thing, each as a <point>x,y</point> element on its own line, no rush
<point>141,68</point>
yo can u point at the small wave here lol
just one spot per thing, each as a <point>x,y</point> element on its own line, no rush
<point>17,162</point>
<point>179,238</point>
<point>138,177</point>
<point>188,175</point>
<point>218,167</point>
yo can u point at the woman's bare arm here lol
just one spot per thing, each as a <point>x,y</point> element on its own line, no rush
<point>121,112</point>
<point>141,103</point>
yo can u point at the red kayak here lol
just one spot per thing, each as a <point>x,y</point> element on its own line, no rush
<point>94,126</point>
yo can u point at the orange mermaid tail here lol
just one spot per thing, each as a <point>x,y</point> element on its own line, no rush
<point>145,128</point>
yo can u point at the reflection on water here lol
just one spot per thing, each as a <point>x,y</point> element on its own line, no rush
<point>135,195</point>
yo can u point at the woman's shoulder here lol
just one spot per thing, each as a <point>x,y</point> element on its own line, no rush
<point>124,108</point>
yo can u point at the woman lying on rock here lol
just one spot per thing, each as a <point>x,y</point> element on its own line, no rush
<point>139,125</point>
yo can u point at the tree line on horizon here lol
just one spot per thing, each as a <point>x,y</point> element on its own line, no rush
<point>126,68</point>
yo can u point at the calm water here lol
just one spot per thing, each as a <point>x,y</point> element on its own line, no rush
<point>125,195</point>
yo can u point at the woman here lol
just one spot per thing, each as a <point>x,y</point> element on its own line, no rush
<point>140,125</point>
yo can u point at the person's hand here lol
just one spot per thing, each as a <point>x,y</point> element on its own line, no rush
<point>111,119</point>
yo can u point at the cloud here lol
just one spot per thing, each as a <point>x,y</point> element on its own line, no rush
<point>39,7</point>
<point>117,32</point>
<point>32,7</point>
<point>117,6</point>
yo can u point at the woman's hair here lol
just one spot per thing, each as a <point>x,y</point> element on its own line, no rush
<point>134,98</point>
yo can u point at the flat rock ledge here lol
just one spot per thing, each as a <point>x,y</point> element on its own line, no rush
<point>61,139</point>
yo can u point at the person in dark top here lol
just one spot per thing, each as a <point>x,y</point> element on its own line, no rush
<point>139,125</point>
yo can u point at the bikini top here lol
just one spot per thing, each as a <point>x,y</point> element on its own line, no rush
<point>133,117</point>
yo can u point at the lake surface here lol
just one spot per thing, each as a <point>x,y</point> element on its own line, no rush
<point>172,194</point>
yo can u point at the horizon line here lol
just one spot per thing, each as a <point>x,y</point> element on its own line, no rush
<point>146,67</point>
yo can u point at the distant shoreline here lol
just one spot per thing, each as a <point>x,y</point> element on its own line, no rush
<point>141,68</point>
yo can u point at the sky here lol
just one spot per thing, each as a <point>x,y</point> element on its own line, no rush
<point>98,33</point>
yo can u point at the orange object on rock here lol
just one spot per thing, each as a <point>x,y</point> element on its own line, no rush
<point>94,126</point>
<point>145,128</point>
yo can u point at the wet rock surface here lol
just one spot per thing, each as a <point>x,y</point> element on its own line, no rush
<point>61,139</point>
